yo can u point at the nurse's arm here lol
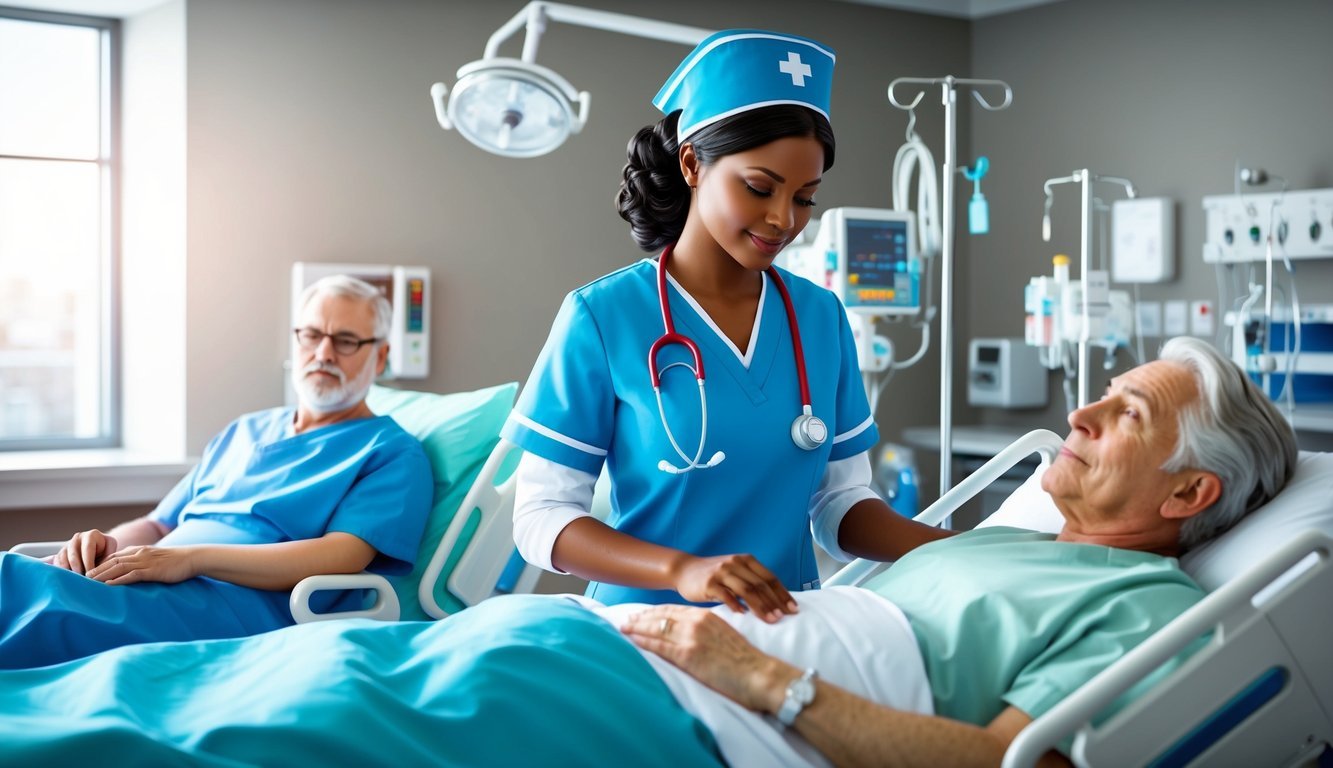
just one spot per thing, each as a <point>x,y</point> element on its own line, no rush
<point>276,566</point>
<point>850,520</point>
<point>871,529</point>
<point>591,549</point>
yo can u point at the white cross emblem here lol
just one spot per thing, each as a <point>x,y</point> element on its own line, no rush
<point>793,66</point>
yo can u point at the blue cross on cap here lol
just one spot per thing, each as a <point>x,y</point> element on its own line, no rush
<point>737,70</point>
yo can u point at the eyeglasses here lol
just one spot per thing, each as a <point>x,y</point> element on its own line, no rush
<point>343,343</point>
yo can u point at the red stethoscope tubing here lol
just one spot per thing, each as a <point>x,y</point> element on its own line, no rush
<point>671,337</point>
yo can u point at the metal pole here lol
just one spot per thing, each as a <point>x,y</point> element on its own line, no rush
<point>950,97</point>
<point>1086,248</point>
<point>950,100</point>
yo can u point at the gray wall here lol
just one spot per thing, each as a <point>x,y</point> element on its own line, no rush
<point>1170,93</point>
<point>312,137</point>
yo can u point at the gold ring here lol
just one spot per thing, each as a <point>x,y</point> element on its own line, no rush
<point>664,627</point>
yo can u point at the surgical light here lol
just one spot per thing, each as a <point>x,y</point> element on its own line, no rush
<point>518,108</point>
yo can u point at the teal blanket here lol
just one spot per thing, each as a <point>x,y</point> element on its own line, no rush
<point>521,680</point>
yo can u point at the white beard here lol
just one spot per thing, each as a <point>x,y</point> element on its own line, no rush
<point>332,398</point>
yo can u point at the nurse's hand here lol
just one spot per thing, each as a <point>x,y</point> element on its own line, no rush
<point>83,551</point>
<point>733,580</point>
<point>134,564</point>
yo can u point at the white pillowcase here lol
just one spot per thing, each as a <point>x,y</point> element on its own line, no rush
<point>1306,503</point>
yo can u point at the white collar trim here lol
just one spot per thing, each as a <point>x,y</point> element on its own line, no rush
<point>754,332</point>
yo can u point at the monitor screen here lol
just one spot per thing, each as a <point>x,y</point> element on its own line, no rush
<point>880,271</point>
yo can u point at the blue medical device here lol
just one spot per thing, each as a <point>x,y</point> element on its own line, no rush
<point>867,257</point>
<point>978,210</point>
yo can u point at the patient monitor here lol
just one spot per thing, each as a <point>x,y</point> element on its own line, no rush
<point>408,292</point>
<point>867,257</point>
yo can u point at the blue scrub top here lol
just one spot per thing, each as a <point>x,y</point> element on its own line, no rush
<point>590,400</point>
<point>257,484</point>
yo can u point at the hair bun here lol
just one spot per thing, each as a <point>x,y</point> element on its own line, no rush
<point>653,196</point>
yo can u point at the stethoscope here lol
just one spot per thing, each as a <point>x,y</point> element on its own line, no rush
<point>807,431</point>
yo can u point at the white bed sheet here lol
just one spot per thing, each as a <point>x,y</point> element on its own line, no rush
<point>856,639</point>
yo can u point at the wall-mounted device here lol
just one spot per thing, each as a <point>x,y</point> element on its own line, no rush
<point>1005,373</point>
<point>1143,240</point>
<point>408,291</point>
<point>867,257</point>
<point>1236,227</point>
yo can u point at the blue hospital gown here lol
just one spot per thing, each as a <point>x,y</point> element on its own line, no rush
<point>255,484</point>
<point>590,400</point>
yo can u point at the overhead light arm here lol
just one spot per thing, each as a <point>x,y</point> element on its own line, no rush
<point>517,108</point>
<point>535,14</point>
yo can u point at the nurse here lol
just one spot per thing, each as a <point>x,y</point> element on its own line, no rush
<point>722,393</point>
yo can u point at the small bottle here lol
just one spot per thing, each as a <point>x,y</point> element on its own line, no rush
<point>1061,268</point>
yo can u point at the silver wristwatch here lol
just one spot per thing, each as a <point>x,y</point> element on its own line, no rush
<point>799,695</point>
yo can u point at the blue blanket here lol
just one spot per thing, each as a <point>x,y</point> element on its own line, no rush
<point>521,680</point>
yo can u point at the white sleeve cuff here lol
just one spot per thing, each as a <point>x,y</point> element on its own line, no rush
<point>547,497</point>
<point>846,482</point>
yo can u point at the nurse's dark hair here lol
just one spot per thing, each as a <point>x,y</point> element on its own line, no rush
<point>654,197</point>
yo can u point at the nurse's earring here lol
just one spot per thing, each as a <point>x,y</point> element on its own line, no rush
<point>808,431</point>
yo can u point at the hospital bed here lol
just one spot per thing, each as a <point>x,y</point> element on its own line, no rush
<point>467,552</point>
<point>1260,691</point>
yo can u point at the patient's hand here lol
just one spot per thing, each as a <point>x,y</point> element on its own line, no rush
<point>713,652</point>
<point>83,551</point>
<point>134,564</point>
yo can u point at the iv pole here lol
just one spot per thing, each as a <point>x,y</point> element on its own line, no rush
<point>949,97</point>
<point>1086,178</point>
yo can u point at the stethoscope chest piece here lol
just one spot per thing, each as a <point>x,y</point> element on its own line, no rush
<point>808,431</point>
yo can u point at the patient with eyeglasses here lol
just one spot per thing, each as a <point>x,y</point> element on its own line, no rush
<point>278,495</point>
<point>940,660</point>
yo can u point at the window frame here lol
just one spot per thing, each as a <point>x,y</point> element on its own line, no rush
<point>109,172</point>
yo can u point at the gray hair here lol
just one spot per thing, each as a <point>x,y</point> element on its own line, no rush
<point>1233,430</point>
<point>353,288</point>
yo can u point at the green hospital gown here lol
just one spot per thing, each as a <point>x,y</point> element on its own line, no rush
<point>1011,617</point>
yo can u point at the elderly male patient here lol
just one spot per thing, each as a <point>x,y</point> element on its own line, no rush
<point>279,495</point>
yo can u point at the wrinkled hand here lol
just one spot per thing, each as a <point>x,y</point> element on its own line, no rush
<point>83,551</point>
<point>134,564</point>
<point>731,579</point>
<point>709,650</point>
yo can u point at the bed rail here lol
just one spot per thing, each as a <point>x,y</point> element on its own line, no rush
<point>1040,441</point>
<point>1270,628</point>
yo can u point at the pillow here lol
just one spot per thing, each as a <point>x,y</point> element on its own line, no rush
<point>457,431</point>
<point>1306,503</point>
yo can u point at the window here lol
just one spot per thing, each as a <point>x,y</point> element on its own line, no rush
<point>58,226</point>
